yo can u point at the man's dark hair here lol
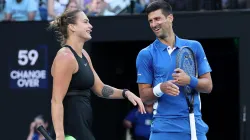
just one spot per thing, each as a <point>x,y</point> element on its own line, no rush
<point>159,4</point>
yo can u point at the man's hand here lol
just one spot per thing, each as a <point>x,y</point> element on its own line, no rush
<point>170,88</point>
<point>180,77</point>
<point>136,101</point>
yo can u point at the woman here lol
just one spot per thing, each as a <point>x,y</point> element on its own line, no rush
<point>74,77</point>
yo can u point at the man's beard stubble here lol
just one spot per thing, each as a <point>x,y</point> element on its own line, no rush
<point>163,36</point>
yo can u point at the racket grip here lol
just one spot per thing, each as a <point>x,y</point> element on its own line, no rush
<point>192,126</point>
<point>44,132</point>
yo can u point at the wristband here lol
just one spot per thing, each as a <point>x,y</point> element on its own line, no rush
<point>123,93</point>
<point>157,90</point>
<point>193,82</point>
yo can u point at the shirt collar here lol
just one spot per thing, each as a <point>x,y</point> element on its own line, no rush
<point>162,46</point>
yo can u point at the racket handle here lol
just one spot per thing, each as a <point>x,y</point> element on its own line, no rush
<point>192,126</point>
<point>44,132</point>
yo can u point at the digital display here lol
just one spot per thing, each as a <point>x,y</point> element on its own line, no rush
<point>28,68</point>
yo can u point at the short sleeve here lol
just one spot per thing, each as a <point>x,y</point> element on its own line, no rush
<point>33,6</point>
<point>131,115</point>
<point>144,67</point>
<point>202,61</point>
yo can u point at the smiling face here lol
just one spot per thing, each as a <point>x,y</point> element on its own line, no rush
<point>81,27</point>
<point>160,23</point>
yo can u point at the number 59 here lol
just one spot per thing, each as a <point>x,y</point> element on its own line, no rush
<point>24,56</point>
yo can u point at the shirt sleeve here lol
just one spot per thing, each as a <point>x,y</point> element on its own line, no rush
<point>131,115</point>
<point>202,62</point>
<point>144,67</point>
<point>7,8</point>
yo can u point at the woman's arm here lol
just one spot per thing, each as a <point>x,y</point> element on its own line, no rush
<point>62,69</point>
<point>106,91</point>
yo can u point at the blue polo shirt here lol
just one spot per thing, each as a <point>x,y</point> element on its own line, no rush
<point>155,65</point>
<point>142,122</point>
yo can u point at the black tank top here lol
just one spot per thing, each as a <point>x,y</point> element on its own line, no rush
<point>83,79</point>
<point>76,103</point>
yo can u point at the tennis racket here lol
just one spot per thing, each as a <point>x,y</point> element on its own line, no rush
<point>47,136</point>
<point>186,61</point>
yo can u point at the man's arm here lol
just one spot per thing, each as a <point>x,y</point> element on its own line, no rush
<point>33,7</point>
<point>31,16</point>
<point>145,76</point>
<point>7,10</point>
<point>202,84</point>
<point>149,95</point>
<point>32,130</point>
<point>127,124</point>
<point>146,93</point>
<point>205,84</point>
<point>50,8</point>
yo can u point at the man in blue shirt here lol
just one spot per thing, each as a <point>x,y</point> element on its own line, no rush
<point>34,134</point>
<point>140,122</point>
<point>22,10</point>
<point>161,83</point>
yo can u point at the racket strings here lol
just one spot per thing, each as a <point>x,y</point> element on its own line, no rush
<point>186,62</point>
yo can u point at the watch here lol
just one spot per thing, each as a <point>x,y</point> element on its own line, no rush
<point>123,93</point>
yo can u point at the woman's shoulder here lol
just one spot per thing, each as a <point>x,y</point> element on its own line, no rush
<point>64,54</point>
<point>64,57</point>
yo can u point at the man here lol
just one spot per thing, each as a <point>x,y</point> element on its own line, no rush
<point>34,134</point>
<point>22,10</point>
<point>140,122</point>
<point>161,83</point>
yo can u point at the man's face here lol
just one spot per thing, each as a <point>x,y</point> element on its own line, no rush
<point>159,23</point>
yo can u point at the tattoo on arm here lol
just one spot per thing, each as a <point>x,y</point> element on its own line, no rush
<point>107,91</point>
